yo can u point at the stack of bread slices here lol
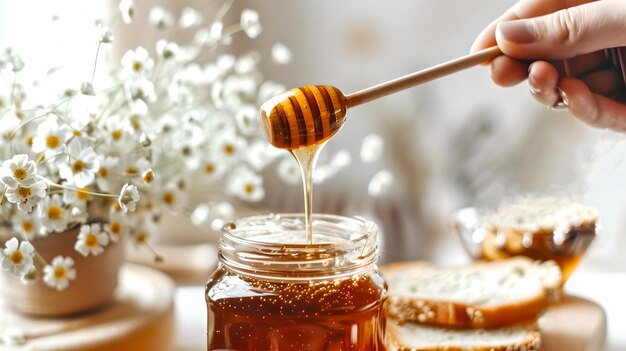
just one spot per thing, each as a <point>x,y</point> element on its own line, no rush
<point>486,306</point>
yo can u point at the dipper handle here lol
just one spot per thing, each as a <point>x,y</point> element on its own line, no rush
<point>423,76</point>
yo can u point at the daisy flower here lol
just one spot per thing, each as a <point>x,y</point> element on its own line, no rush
<point>160,18</point>
<point>129,195</point>
<point>53,214</point>
<point>245,184</point>
<point>381,183</point>
<point>120,132</point>
<point>26,197</point>
<point>91,240</point>
<point>78,198</point>
<point>107,172</point>
<point>250,23</point>
<point>140,89</point>
<point>372,148</point>
<point>228,147</point>
<point>127,10</point>
<point>173,197</point>
<point>17,257</point>
<point>26,223</point>
<point>212,169</point>
<point>58,274</point>
<point>189,17</point>
<point>138,62</point>
<point>118,226</point>
<point>50,137</point>
<point>82,164</point>
<point>17,171</point>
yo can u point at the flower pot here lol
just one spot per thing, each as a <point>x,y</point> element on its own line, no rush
<point>94,286</point>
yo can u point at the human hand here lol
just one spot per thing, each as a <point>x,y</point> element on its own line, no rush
<point>559,46</point>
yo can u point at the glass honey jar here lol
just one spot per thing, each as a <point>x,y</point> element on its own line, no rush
<point>271,291</point>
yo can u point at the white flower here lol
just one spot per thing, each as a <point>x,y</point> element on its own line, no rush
<point>140,89</point>
<point>26,223</point>
<point>289,171</point>
<point>248,120</point>
<point>372,148</point>
<point>59,273</point>
<point>215,214</point>
<point>189,17</point>
<point>250,23</point>
<point>83,164</point>
<point>107,171</point>
<point>228,147</point>
<point>78,198</point>
<point>215,32</point>
<point>53,214</point>
<point>167,49</point>
<point>141,235</point>
<point>129,195</point>
<point>212,169</point>
<point>26,197</point>
<point>138,62</point>
<point>281,54</point>
<point>267,90</point>
<point>119,132</point>
<point>13,336</point>
<point>173,197</point>
<point>10,121</point>
<point>18,171</point>
<point>127,10</point>
<point>118,226</point>
<point>380,183</point>
<point>17,257</point>
<point>91,240</point>
<point>160,18</point>
<point>246,185</point>
<point>50,137</point>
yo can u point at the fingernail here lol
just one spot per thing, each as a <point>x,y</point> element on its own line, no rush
<point>519,32</point>
<point>563,97</point>
<point>532,83</point>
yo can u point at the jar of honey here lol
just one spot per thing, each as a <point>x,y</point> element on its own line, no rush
<point>272,291</point>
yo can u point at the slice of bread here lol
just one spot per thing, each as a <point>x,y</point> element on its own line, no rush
<point>480,295</point>
<point>418,337</point>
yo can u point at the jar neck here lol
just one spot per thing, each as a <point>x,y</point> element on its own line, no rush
<point>272,247</point>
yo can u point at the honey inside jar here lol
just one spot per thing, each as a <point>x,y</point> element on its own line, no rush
<point>272,291</point>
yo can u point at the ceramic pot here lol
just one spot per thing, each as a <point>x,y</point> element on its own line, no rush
<point>94,287</point>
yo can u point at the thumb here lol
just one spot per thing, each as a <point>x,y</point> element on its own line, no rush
<point>567,33</point>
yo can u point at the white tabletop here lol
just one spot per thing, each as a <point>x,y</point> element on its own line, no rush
<point>605,288</point>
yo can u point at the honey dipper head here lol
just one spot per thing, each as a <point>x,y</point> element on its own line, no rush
<point>303,116</point>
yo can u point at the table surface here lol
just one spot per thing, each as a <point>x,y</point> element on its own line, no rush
<point>604,288</point>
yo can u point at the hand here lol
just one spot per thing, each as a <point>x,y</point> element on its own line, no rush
<point>559,46</point>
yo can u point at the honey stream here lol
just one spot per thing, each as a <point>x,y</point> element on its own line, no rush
<point>307,158</point>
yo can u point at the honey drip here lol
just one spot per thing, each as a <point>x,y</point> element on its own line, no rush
<point>307,158</point>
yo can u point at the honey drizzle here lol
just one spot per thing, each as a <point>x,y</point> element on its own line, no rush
<point>307,158</point>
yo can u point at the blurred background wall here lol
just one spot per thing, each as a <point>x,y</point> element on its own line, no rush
<point>458,141</point>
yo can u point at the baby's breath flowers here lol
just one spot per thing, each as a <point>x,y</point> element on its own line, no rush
<point>109,154</point>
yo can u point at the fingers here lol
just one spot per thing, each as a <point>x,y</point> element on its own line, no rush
<point>594,109</point>
<point>566,33</point>
<point>507,72</point>
<point>523,9</point>
<point>543,80</point>
<point>605,82</point>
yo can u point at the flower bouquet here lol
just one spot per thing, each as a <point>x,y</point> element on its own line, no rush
<point>105,157</point>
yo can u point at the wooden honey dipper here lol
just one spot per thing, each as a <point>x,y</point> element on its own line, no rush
<point>310,114</point>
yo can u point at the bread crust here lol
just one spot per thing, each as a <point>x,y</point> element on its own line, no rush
<point>532,342</point>
<point>406,308</point>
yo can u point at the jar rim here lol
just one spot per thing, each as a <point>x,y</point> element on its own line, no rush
<point>344,246</point>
